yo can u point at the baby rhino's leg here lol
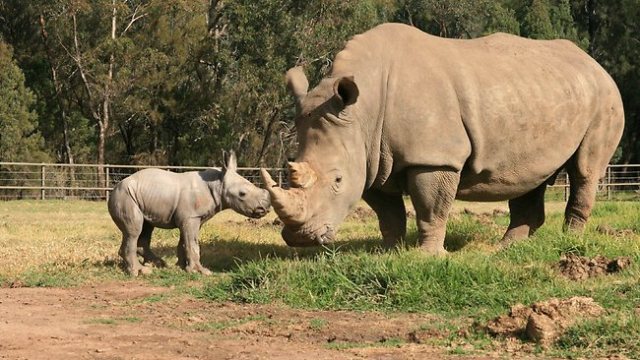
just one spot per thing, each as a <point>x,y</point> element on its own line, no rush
<point>189,247</point>
<point>144,247</point>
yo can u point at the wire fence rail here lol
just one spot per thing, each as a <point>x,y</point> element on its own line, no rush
<point>87,182</point>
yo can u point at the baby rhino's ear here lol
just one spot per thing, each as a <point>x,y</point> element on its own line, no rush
<point>229,161</point>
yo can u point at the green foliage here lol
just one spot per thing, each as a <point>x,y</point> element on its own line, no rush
<point>19,138</point>
<point>537,22</point>
<point>192,78</point>
<point>611,335</point>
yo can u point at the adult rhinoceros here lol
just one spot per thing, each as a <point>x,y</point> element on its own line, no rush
<point>495,118</point>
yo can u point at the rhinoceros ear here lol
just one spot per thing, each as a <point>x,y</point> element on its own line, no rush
<point>346,90</point>
<point>298,84</point>
<point>229,161</point>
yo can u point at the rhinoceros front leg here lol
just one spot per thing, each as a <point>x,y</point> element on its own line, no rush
<point>432,192</point>
<point>392,216</point>
<point>189,247</point>
<point>526,215</point>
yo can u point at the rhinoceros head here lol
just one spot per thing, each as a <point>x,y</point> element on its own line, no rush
<point>328,176</point>
<point>240,194</point>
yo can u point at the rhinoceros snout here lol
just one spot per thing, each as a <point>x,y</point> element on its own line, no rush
<point>259,212</point>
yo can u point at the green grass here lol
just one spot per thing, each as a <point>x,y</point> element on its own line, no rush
<point>111,321</point>
<point>71,243</point>
<point>215,326</point>
<point>102,321</point>
<point>615,334</point>
<point>317,324</point>
<point>342,345</point>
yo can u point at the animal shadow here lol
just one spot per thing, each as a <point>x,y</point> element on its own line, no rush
<point>224,255</point>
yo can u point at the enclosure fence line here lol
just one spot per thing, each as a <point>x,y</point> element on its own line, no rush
<point>19,180</point>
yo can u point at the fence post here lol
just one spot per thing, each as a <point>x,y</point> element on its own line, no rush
<point>608,182</point>
<point>566,187</point>
<point>106,182</point>
<point>42,181</point>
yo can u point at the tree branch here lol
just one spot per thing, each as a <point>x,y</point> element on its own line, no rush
<point>134,18</point>
<point>83,75</point>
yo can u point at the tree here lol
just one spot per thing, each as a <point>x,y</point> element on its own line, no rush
<point>19,138</point>
<point>158,82</point>
<point>537,22</point>
<point>457,19</point>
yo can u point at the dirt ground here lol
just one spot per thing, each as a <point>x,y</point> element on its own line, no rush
<point>135,321</point>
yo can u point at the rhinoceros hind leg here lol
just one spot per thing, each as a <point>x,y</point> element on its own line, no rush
<point>526,215</point>
<point>130,221</point>
<point>180,253</point>
<point>144,247</point>
<point>582,196</point>
<point>128,252</point>
<point>432,192</point>
<point>392,216</point>
<point>589,164</point>
<point>188,248</point>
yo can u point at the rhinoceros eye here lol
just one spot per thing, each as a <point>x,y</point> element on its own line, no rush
<point>242,193</point>
<point>338,179</point>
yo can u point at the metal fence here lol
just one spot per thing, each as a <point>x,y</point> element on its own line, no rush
<point>620,182</point>
<point>86,181</point>
<point>82,181</point>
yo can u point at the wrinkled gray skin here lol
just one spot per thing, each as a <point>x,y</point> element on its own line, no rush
<point>489,119</point>
<point>158,198</point>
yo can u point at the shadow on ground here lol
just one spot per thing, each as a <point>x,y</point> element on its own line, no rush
<point>226,254</point>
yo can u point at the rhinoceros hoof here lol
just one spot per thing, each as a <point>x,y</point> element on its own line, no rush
<point>198,269</point>
<point>157,262</point>
<point>140,270</point>
<point>146,270</point>
<point>437,251</point>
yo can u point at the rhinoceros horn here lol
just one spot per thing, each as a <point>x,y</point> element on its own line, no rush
<point>301,175</point>
<point>290,205</point>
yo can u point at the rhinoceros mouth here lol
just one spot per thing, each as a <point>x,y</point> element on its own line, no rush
<point>259,213</point>
<point>301,237</point>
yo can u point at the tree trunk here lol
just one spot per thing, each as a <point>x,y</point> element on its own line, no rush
<point>106,105</point>
<point>592,25</point>
<point>58,95</point>
<point>267,137</point>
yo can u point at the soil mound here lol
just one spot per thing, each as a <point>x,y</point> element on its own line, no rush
<point>545,321</point>
<point>580,268</point>
<point>608,230</point>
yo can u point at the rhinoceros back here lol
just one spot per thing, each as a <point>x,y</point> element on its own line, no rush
<point>155,192</point>
<point>507,112</point>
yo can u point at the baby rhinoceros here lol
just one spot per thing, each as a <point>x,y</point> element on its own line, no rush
<point>158,198</point>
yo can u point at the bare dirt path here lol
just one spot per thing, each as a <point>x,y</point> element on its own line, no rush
<point>135,321</point>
